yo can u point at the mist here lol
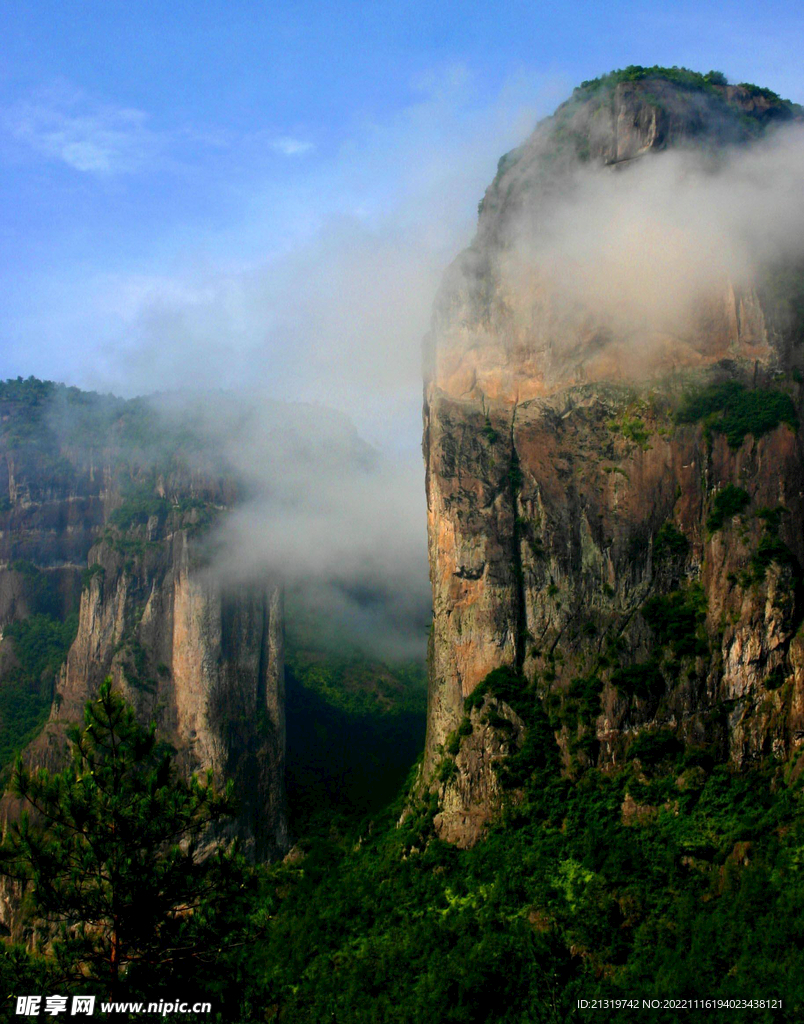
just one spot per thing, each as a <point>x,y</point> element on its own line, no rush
<point>640,252</point>
<point>333,483</point>
<point>338,522</point>
<point>302,365</point>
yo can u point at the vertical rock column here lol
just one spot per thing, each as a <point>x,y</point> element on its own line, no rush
<point>202,659</point>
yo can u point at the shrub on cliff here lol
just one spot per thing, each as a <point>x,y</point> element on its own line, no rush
<point>730,408</point>
<point>729,502</point>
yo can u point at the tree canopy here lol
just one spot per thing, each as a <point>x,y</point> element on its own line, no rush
<point>125,875</point>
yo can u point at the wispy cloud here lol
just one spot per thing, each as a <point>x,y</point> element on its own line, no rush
<point>65,124</point>
<point>331,313</point>
<point>288,146</point>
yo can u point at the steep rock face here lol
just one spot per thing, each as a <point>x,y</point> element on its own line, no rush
<point>54,494</point>
<point>630,554</point>
<point>49,519</point>
<point>105,516</point>
<point>505,326</point>
<point>204,662</point>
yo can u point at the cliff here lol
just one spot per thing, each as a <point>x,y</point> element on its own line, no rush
<point>106,566</point>
<point>614,488</point>
<point>203,661</point>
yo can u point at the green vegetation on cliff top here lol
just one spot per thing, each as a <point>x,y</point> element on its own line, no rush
<point>682,78</point>
<point>62,424</point>
<point>734,410</point>
<point>737,121</point>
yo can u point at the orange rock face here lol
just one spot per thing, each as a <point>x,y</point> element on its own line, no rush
<point>558,467</point>
<point>204,663</point>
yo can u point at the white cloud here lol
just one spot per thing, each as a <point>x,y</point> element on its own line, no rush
<point>332,313</point>
<point>288,146</point>
<point>65,124</point>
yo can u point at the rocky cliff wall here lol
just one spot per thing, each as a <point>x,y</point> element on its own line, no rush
<point>617,518</point>
<point>203,661</point>
<point>107,516</point>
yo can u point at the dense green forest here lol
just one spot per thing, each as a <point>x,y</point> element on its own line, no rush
<point>672,877</point>
<point>696,891</point>
<point>354,727</point>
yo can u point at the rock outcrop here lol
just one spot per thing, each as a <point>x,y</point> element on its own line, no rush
<point>202,661</point>
<point>105,515</point>
<point>614,514</point>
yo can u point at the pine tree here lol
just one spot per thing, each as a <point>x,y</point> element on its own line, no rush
<point>122,877</point>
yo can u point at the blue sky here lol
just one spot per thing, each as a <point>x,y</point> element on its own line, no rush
<point>264,194</point>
